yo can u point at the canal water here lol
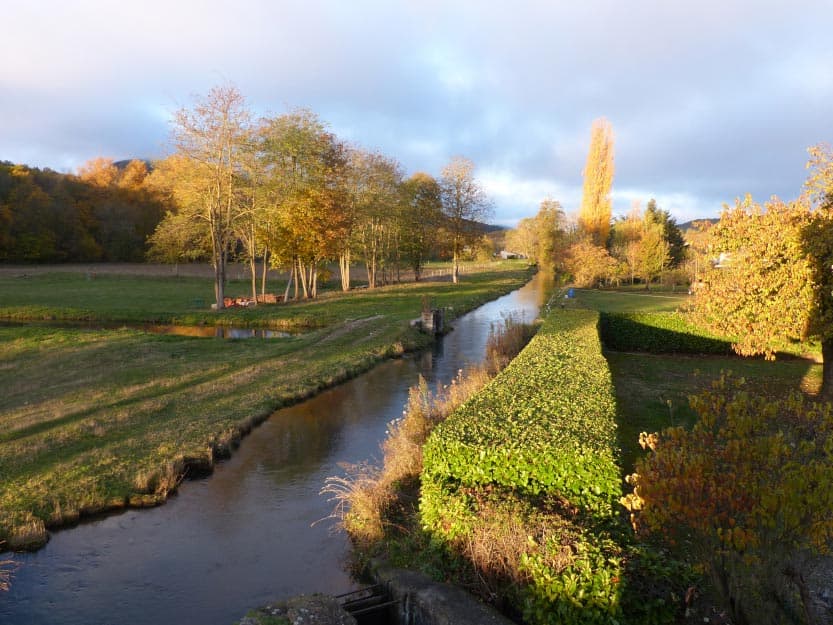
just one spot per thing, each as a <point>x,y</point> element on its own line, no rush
<point>252,531</point>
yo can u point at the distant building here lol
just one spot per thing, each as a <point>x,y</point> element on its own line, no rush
<point>724,260</point>
<point>506,254</point>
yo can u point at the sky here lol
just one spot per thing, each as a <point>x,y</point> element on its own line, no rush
<point>708,100</point>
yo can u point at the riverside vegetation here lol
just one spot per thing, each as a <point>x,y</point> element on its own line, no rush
<point>516,492</point>
<point>98,419</point>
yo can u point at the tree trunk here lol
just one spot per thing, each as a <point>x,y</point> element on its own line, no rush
<point>288,284</point>
<point>217,261</point>
<point>313,279</point>
<point>302,272</point>
<point>218,288</point>
<point>827,368</point>
<point>344,266</point>
<point>265,271</point>
<point>370,265</point>
<point>455,268</point>
<point>295,273</point>
<point>253,270</point>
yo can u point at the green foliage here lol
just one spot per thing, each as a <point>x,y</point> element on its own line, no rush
<point>762,292</point>
<point>748,490</point>
<point>585,591</point>
<point>658,333</point>
<point>543,238</point>
<point>543,429</point>
<point>671,232</point>
<point>520,434</point>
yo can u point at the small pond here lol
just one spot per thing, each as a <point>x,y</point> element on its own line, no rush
<point>220,332</point>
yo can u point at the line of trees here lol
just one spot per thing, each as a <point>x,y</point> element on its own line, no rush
<point>280,191</point>
<point>284,191</point>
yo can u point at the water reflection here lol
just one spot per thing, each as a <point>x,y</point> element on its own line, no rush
<point>220,332</point>
<point>247,534</point>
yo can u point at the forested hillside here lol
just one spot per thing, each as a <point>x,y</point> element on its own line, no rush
<point>103,214</point>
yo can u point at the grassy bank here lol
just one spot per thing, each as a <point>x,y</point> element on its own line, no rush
<point>92,420</point>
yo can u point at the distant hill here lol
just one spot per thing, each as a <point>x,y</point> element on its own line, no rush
<point>690,224</point>
<point>487,228</point>
<point>120,165</point>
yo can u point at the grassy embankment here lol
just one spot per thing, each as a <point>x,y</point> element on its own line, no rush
<point>520,486</point>
<point>92,420</point>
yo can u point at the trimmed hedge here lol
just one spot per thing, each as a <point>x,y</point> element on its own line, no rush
<point>546,424</point>
<point>658,333</point>
<point>544,427</point>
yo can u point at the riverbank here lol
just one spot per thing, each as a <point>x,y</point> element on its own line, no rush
<point>97,420</point>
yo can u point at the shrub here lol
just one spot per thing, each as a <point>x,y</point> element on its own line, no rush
<point>747,490</point>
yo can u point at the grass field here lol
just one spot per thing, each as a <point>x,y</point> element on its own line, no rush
<point>94,419</point>
<point>652,390</point>
<point>630,300</point>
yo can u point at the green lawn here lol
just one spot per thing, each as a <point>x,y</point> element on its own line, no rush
<point>93,419</point>
<point>629,300</point>
<point>652,390</point>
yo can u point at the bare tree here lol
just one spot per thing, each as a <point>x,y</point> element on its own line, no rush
<point>465,205</point>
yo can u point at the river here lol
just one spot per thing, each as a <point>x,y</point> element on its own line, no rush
<point>252,531</point>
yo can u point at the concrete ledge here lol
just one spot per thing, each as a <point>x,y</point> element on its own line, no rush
<point>422,601</point>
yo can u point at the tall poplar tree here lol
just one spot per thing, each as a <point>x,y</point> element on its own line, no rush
<point>595,211</point>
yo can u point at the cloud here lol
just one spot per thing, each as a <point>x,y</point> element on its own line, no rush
<point>708,100</point>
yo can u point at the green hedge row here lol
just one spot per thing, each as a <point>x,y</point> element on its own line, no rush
<point>545,424</point>
<point>658,333</point>
<point>543,428</point>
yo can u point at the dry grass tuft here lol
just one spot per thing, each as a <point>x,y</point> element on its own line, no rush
<point>506,341</point>
<point>504,529</point>
<point>28,535</point>
<point>7,567</point>
<point>161,481</point>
